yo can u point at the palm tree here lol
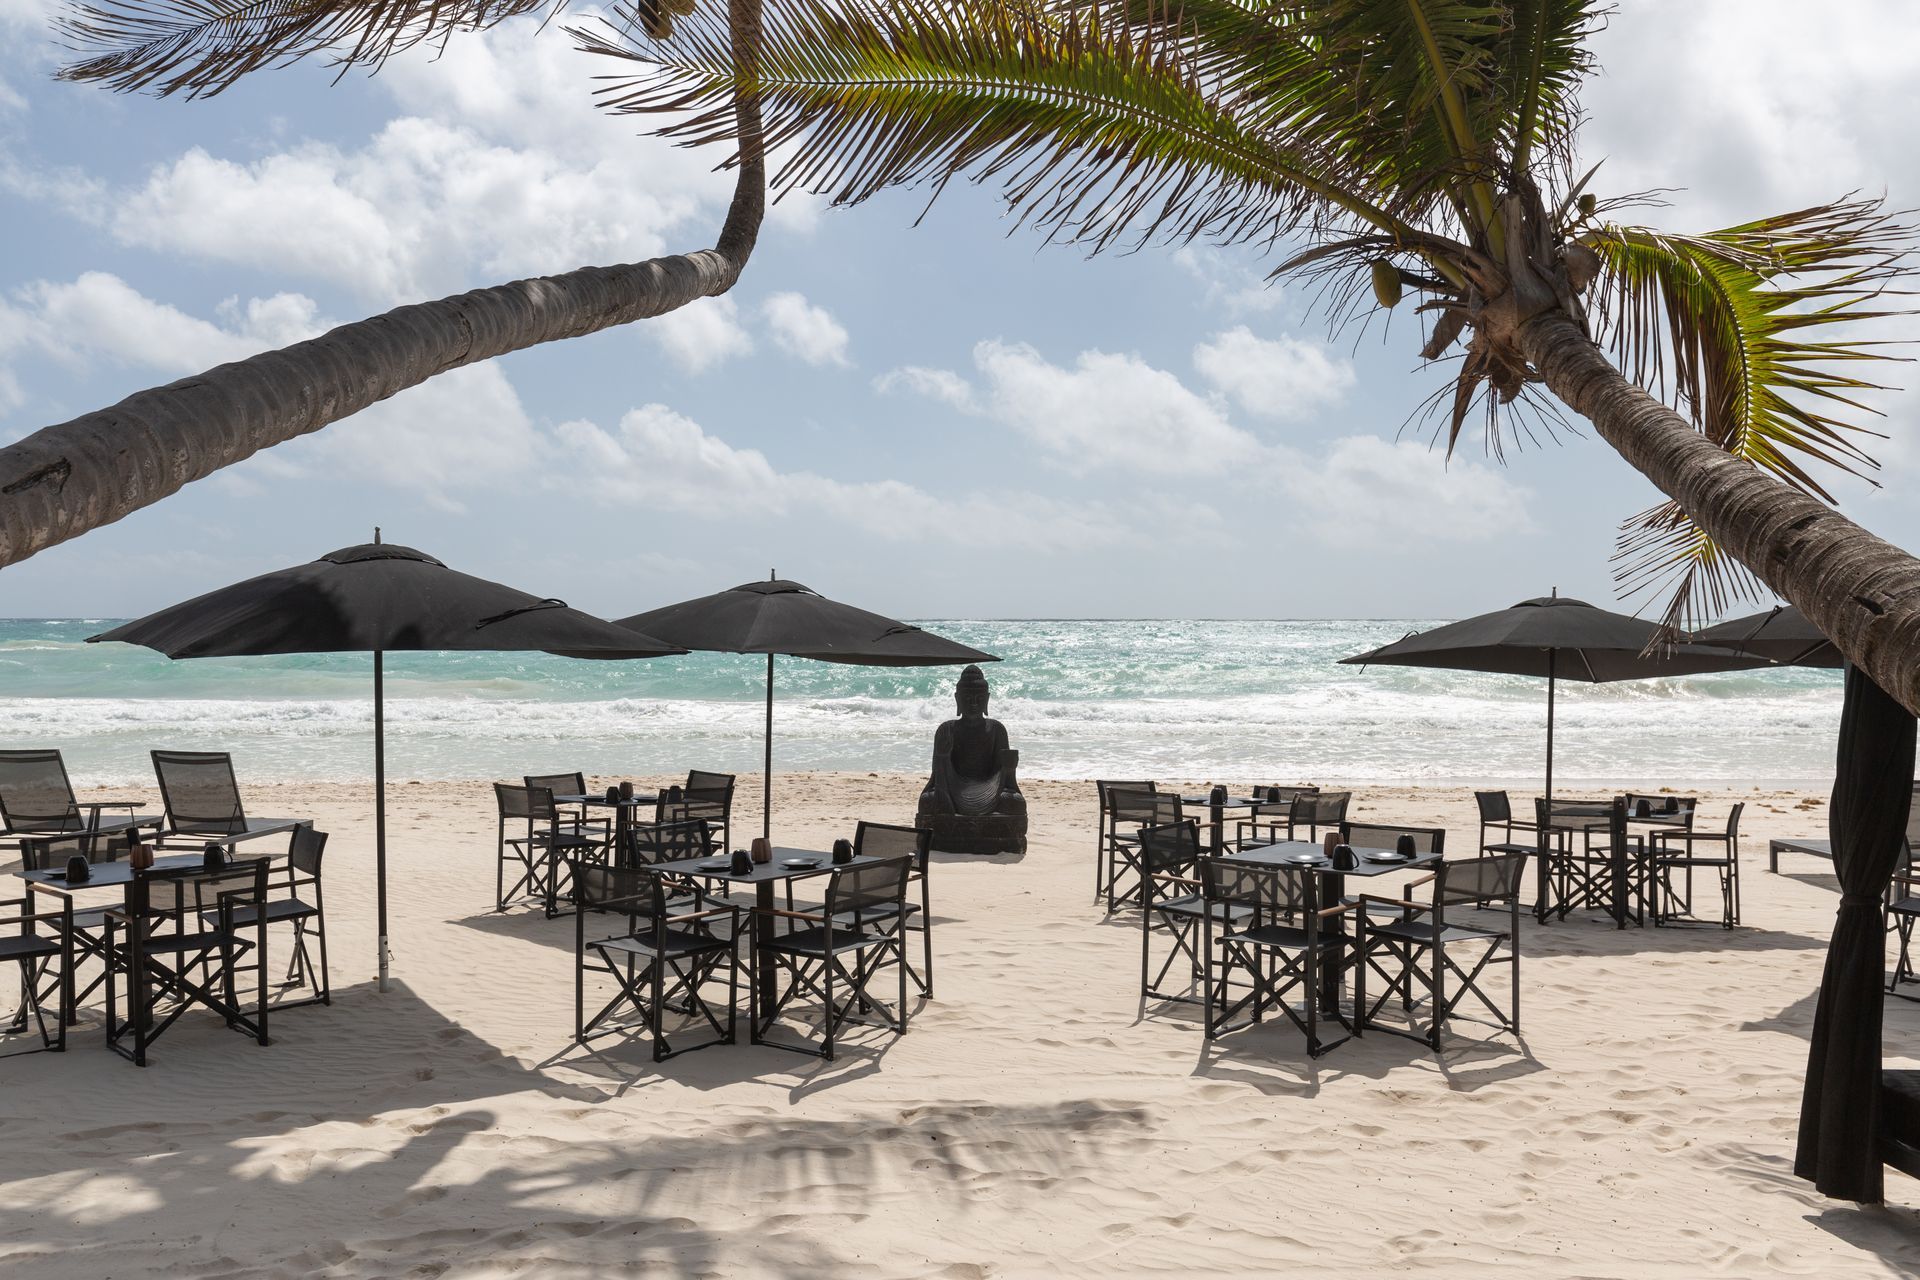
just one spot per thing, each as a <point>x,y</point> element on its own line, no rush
<point>1403,146</point>
<point>66,479</point>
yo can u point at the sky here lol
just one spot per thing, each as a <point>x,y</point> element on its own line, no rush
<point>938,420</point>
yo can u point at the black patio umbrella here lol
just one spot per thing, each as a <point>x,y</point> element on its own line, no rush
<point>375,598</point>
<point>1557,638</point>
<point>1782,634</point>
<point>783,617</point>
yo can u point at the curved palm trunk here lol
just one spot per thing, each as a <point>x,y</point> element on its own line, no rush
<point>1861,590</point>
<point>64,480</point>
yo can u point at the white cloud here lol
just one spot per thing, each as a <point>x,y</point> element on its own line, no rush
<point>100,317</point>
<point>1232,281</point>
<point>700,336</point>
<point>1375,493</point>
<point>1108,410</point>
<point>661,459</point>
<point>1280,377</point>
<point>802,329</point>
<point>943,385</point>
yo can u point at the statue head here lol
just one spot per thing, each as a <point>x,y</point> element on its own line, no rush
<point>970,694</point>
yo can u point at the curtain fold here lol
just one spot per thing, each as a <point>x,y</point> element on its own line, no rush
<point>1872,788</point>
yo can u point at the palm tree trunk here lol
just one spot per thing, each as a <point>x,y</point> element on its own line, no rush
<point>64,480</point>
<point>1862,591</point>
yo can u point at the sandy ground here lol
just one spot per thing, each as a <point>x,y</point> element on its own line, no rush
<point>1036,1120</point>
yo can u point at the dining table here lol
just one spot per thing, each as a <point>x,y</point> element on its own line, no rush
<point>1626,856</point>
<point>624,808</point>
<point>100,875</point>
<point>1217,815</point>
<point>783,868</point>
<point>1307,858</point>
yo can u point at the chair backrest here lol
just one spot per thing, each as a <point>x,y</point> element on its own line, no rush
<point>1913,821</point>
<point>1494,807</point>
<point>308,847</point>
<point>559,784</point>
<point>514,802</point>
<point>679,841</point>
<point>1270,891</point>
<point>50,852</point>
<point>200,792</point>
<point>871,890</point>
<point>712,793</point>
<point>1107,787</point>
<point>640,891</point>
<point>878,840</point>
<point>180,891</point>
<point>35,793</point>
<point>1733,820</point>
<point>1322,808</point>
<point>1129,807</point>
<point>1171,848</point>
<point>1676,809</point>
<point>1494,878</point>
<point>1380,835</point>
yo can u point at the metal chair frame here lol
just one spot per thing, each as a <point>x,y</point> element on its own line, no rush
<point>1497,879</point>
<point>1673,904</point>
<point>661,963</point>
<point>1138,809</point>
<point>1279,945</point>
<point>36,954</point>
<point>810,959</point>
<point>1105,828</point>
<point>1173,902</point>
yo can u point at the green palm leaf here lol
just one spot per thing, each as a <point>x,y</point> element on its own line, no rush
<point>1735,329</point>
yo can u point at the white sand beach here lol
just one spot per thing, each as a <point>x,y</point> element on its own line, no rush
<point>1035,1120</point>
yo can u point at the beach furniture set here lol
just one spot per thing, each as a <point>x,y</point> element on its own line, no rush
<point>660,944</point>
<point>112,896</point>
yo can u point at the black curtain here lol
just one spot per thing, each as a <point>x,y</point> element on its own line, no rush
<point>1872,787</point>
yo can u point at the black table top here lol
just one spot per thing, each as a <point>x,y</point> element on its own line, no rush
<point>1231,802</point>
<point>767,872</point>
<point>1281,855</point>
<point>637,800</point>
<point>107,874</point>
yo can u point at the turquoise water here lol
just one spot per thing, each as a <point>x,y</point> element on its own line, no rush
<point>1189,698</point>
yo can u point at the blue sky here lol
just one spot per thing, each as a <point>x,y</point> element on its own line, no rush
<point>941,420</point>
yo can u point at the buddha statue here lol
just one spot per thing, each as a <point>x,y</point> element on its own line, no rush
<point>972,803</point>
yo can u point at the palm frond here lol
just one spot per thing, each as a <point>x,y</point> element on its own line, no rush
<point>1749,332</point>
<point>1097,130</point>
<point>201,47</point>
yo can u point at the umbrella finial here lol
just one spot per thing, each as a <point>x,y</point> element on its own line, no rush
<point>773,575</point>
<point>376,535</point>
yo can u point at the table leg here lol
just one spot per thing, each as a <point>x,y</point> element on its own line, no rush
<point>765,986</point>
<point>1622,881</point>
<point>1218,821</point>
<point>1334,887</point>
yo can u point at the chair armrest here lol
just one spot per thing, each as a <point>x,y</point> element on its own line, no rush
<point>34,886</point>
<point>1342,909</point>
<point>733,910</point>
<point>118,913</point>
<point>791,915</point>
<point>1417,882</point>
<point>1367,898</point>
<point>1179,880</point>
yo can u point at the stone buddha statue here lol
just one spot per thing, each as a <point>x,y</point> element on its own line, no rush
<point>972,803</point>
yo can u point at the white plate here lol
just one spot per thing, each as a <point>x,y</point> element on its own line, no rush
<point>1306,859</point>
<point>800,864</point>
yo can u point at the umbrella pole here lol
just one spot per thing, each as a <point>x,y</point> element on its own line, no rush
<point>766,765</point>
<point>1553,656</point>
<point>380,802</point>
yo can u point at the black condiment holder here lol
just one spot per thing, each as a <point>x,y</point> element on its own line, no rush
<point>742,863</point>
<point>842,851</point>
<point>1404,846</point>
<point>1343,859</point>
<point>213,857</point>
<point>79,870</point>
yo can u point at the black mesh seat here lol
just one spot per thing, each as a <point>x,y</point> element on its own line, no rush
<point>202,799</point>
<point>1172,906</point>
<point>841,949</point>
<point>1131,813</point>
<point>37,936</point>
<point>36,799</point>
<point>668,956</point>
<point>545,845</point>
<point>1104,828</point>
<point>294,883</point>
<point>177,945</point>
<point>879,840</point>
<point>709,797</point>
<point>1422,955</point>
<point>1678,852</point>
<point>1281,946</point>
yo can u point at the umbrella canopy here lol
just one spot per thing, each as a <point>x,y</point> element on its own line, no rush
<point>1782,634</point>
<point>783,617</point>
<point>370,599</point>
<point>1554,637</point>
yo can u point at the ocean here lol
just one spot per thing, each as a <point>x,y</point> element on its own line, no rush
<point>1236,701</point>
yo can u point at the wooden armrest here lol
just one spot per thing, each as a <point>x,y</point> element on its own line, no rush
<point>118,913</point>
<point>1366,898</point>
<point>1180,880</point>
<point>34,887</point>
<point>791,915</point>
<point>1342,909</point>
<point>1425,879</point>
